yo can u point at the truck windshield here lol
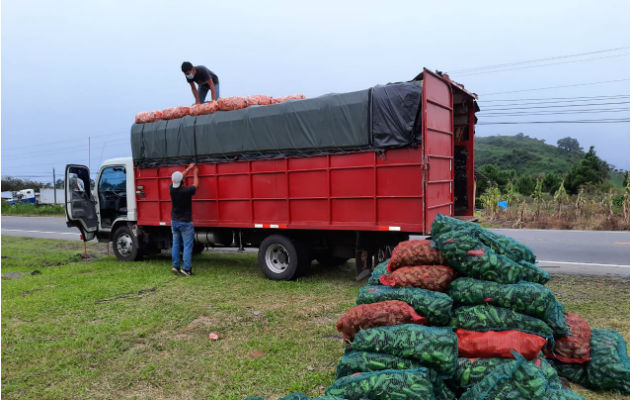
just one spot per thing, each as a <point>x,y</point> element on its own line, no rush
<point>112,194</point>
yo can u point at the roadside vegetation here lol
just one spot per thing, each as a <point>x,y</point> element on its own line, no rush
<point>29,209</point>
<point>104,329</point>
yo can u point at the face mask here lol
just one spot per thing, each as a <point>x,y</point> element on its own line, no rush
<point>190,76</point>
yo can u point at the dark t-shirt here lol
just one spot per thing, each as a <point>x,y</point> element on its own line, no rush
<point>181,199</point>
<point>203,75</point>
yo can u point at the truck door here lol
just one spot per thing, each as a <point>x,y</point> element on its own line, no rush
<point>80,204</point>
<point>437,142</point>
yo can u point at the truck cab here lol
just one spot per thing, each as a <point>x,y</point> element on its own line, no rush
<point>106,210</point>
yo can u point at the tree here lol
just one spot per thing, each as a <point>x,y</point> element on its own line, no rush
<point>591,170</point>
<point>11,184</point>
<point>569,145</point>
<point>626,178</point>
<point>491,174</point>
<point>551,182</point>
<point>525,185</point>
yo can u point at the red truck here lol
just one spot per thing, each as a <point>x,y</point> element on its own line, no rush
<point>332,194</point>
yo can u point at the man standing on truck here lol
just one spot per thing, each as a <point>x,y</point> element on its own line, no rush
<point>181,218</point>
<point>206,81</point>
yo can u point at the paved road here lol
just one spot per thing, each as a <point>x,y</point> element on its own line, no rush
<point>583,252</point>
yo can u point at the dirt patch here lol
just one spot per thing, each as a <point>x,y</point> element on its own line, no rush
<point>201,323</point>
<point>255,354</point>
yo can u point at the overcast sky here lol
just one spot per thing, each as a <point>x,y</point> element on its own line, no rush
<point>78,69</point>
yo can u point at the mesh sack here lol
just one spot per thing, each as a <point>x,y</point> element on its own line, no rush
<point>430,277</point>
<point>561,394</point>
<point>528,298</point>
<point>148,116</point>
<point>434,306</point>
<point>299,396</point>
<point>575,373</point>
<point>414,252</point>
<point>466,254</point>
<point>377,272</point>
<point>363,361</point>
<point>518,380</point>
<point>384,313</point>
<point>175,112</point>
<point>489,318</point>
<point>500,244</point>
<point>609,368</point>
<point>572,348</point>
<point>231,103</point>
<point>205,108</point>
<point>389,384</point>
<point>259,99</point>
<point>498,344</point>
<point>470,371</point>
<point>290,97</point>
<point>433,347</point>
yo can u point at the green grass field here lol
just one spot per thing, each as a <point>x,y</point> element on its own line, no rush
<point>103,329</point>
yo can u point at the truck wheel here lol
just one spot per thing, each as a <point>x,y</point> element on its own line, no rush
<point>278,258</point>
<point>125,244</point>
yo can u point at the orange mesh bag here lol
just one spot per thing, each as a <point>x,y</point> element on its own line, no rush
<point>148,116</point>
<point>498,344</point>
<point>259,99</point>
<point>574,348</point>
<point>414,252</point>
<point>205,108</point>
<point>231,103</point>
<point>175,112</point>
<point>430,277</point>
<point>384,313</point>
<point>291,97</point>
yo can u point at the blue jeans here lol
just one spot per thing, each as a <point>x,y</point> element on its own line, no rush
<point>183,232</point>
<point>203,92</point>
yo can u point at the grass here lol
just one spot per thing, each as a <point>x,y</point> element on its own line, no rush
<point>104,329</point>
<point>30,210</point>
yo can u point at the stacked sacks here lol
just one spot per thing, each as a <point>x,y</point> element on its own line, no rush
<point>608,368</point>
<point>223,104</point>
<point>574,347</point>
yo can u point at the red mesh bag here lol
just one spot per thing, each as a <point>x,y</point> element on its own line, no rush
<point>205,108</point>
<point>259,99</point>
<point>231,103</point>
<point>574,348</point>
<point>148,116</point>
<point>175,112</point>
<point>491,344</point>
<point>384,313</point>
<point>291,97</point>
<point>414,252</point>
<point>430,277</point>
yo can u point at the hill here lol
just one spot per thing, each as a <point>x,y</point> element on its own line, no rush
<point>525,155</point>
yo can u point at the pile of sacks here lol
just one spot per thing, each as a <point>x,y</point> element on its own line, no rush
<point>223,104</point>
<point>467,316</point>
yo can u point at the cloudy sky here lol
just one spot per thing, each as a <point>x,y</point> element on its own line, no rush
<point>78,69</point>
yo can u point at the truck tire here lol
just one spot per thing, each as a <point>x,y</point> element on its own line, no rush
<point>126,245</point>
<point>278,258</point>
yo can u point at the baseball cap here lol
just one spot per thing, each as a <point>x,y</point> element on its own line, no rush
<point>177,178</point>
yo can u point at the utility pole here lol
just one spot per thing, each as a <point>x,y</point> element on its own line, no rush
<point>89,149</point>
<point>54,186</point>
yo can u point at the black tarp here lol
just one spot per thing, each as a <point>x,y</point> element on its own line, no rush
<point>380,117</point>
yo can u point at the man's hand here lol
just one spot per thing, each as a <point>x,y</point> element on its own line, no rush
<point>190,166</point>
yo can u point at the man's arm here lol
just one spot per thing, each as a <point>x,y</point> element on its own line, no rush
<point>214,92</point>
<point>195,93</point>
<point>195,177</point>
<point>188,168</point>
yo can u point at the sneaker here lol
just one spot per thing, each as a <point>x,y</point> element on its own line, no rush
<point>175,270</point>
<point>186,273</point>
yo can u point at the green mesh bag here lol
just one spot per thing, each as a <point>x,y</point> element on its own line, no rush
<point>500,244</point>
<point>609,368</point>
<point>484,318</point>
<point>528,298</point>
<point>432,347</point>
<point>389,384</point>
<point>517,380</point>
<point>436,307</point>
<point>561,394</point>
<point>464,252</point>
<point>471,371</point>
<point>575,373</point>
<point>363,361</point>
<point>379,270</point>
<point>300,396</point>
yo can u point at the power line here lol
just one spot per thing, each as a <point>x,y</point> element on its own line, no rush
<point>593,111</point>
<point>493,66</point>
<point>501,108</point>
<point>583,121</point>
<point>556,87</point>
<point>562,99</point>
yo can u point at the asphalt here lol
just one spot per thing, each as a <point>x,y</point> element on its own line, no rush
<point>557,251</point>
